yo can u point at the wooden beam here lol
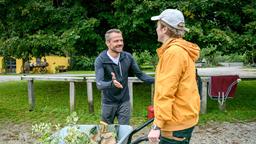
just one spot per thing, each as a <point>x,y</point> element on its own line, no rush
<point>130,87</point>
<point>31,97</point>
<point>90,96</point>
<point>203,108</point>
<point>72,95</point>
<point>54,78</point>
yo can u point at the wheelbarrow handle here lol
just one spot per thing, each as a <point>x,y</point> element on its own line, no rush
<point>140,139</point>
<point>138,129</point>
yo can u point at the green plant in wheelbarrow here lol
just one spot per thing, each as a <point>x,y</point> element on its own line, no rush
<point>43,131</point>
<point>46,133</point>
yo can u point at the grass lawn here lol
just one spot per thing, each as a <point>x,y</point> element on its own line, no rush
<point>52,103</point>
<point>241,108</point>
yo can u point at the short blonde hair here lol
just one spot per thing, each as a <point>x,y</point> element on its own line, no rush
<point>107,37</point>
<point>173,32</point>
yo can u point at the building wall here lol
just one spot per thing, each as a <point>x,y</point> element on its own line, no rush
<point>1,65</point>
<point>53,63</point>
<point>18,66</point>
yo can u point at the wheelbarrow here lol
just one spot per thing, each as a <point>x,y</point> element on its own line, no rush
<point>124,136</point>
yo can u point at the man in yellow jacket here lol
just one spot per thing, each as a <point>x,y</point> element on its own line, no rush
<point>176,98</point>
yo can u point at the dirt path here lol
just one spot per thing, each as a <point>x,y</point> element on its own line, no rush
<point>225,133</point>
<point>11,133</point>
<point>214,133</point>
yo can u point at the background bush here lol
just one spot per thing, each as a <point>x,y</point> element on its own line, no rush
<point>82,63</point>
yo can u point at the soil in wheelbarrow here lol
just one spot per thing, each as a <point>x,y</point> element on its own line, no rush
<point>211,133</point>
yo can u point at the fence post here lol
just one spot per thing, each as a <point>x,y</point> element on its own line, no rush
<point>130,86</point>
<point>31,97</point>
<point>72,95</point>
<point>203,109</point>
<point>90,96</point>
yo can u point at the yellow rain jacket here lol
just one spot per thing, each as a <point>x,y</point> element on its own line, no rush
<point>176,98</point>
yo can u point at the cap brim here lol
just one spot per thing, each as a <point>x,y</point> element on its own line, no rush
<point>154,18</point>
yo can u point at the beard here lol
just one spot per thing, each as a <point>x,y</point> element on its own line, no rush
<point>117,49</point>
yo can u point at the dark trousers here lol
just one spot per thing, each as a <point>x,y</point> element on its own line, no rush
<point>122,111</point>
<point>186,134</point>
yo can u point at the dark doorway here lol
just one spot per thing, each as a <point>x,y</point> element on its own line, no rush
<point>10,65</point>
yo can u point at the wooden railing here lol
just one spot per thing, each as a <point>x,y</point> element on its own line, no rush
<point>89,79</point>
<point>31,95</point>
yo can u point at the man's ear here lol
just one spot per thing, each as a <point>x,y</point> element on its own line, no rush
<point>107,43</point>
<point>165,29</point>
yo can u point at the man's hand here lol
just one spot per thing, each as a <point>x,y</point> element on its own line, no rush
<point>115,82</point>
<point>153,136</point>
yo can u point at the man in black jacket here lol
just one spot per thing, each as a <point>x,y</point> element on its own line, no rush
<point>112,67</point>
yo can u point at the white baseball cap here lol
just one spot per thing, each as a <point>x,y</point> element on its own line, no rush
<point>173,18</point>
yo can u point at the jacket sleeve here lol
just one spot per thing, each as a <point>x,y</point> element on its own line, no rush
<point>142,76</point>
<point>99,72</point>
<point>169,71</point>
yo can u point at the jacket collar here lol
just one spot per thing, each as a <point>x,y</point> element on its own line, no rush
<point>106,58</point>
<point>165,46</point>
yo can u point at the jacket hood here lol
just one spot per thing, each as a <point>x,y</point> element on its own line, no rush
<point>192,49</point>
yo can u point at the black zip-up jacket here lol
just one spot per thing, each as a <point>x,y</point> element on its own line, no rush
<point>127,65</point>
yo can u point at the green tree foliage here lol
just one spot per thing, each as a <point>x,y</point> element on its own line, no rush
<point>37,28</point>
<point>221,25</point>
<point>77,27</point>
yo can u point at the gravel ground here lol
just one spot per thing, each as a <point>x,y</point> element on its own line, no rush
<point>225,133</point>
<point>213,133</point>
<point>11,133</point>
